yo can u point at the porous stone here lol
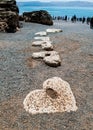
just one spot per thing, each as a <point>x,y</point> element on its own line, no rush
<point>42,54</point>
<point>42,38</point>
<point>53,30</point>
<point>41,33</point>
<point>38,55</point>
<point>47,46</point>
<point>37,43</point>
<point>52,60</point>
<point>9,19</point>
<point>56,96</point>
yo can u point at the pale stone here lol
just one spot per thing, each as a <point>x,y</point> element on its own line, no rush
<point>38,43</point>
<point>65,99</point>
<point>56,96</point>
<point>52,30</point>
<point>52,53</point>
<point>47,46</point>
<point>43,54</point>
<point>52,60</point>
<point>41,33</point>
<point>38,55</point>
<point>42,38</point>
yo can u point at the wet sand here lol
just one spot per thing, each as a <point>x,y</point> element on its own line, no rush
<point>20,74</point>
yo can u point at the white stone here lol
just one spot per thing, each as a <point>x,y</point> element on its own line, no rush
<point>37,55</point>
<point>42,38</point>
<point>56,96</point>
<point>53,53</point>
<point>41,33</point>
<point>43,54</point>
<point>52,60</point>
<point>47,46</point>
<point>38,43</point>
<point>52,30</point>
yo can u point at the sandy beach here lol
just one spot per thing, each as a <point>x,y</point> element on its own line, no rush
<point>20,74</point>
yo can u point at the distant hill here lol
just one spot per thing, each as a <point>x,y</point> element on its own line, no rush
<point>62,4</point>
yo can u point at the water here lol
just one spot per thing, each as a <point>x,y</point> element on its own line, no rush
<point>60,11</point>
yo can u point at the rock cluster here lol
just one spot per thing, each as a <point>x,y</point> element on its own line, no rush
<point>9,19</point>
<point>42,17</point>
<point>56,96</point>
<point>50,57</point>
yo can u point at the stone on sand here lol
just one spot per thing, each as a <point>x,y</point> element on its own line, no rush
<point>42,38</point>
<point>41,33</point>
<point>52,60</point>
<point>42,54</point>
<point>37,43</point>
<point>56,96</point>
<point>47,46</point>
<point>38,55</point>
<point>52,30</point>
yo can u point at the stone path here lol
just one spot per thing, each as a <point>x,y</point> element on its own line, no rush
<point>50,58</point>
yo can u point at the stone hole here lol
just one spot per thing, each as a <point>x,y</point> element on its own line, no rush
<point>52,93</point>
<point>47,54</point>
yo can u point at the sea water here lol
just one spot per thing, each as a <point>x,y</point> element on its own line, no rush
<point>60,11</point>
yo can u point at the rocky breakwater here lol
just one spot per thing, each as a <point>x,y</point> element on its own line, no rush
<point>42,17</point>
<point>9,19</point>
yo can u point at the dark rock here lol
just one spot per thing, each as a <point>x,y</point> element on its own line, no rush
<point>9,19</point>
<point>21,18</point>
<point>91,23</point>
<point>9,5</point>
<point>12,22</point>
<point>42,17</point>
<point>8,2</point>
<point>88,20</point>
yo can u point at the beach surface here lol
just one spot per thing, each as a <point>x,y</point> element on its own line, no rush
<point>20,74</point>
